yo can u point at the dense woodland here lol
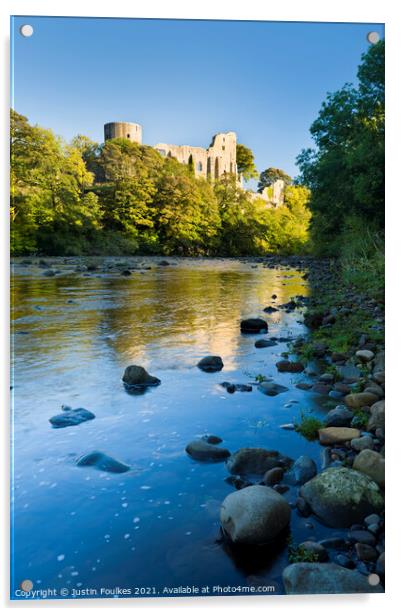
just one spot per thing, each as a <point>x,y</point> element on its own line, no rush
<point>124,198</point>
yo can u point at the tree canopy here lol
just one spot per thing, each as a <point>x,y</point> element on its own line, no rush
<point>245,162</point>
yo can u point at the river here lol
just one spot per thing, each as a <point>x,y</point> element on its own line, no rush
<point>157,525</point>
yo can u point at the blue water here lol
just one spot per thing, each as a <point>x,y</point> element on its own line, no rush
<point>156,526</point>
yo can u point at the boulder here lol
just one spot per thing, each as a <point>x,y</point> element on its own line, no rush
<point>103,462</point>
<point>253,326</point>
<point>331,436</point>
<point>269,388</point>
<point>361,443</point>
<point>356,401</point>
<point>71,417</point>
<point>289,366</point>
<point>211,363</point>
<point>212,439</point>
<point>200,449</point>
<point>136,377</point>
<point>341,497</point>
<point>253,461</point>
<point>325,578</point>
<point>254,515</point>
<point>376,419</point>
<point>339,417</point>
<point>364,356</point>
<point>304,469</point>
<point>372,464</point>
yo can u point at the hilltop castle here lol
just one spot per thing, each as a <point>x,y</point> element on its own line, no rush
<point>212,162</point>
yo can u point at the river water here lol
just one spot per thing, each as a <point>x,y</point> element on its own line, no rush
<point>156,526</point>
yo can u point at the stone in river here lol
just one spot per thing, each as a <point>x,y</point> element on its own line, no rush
<point>325,578</point>
<point>136,377</point>
<point>206,452</point>
<point>71,417</point>
<point>338,417</point>
<point>103,462</point>
<point>304,386</point>
<point>211,363</point>
<point>342,496</point>
<point>372,464</point>
<point>254,515</point>
<point>331,436</point>
<point>363,442</point>
<point>254,461</point>
<point>273,476</point>
<point>253,326</point>
<point>270,309</point>
<point>289,366</point>
<point>263,344</point>
<point>212,439</point>
<point>304,469</point>
<point>271,388</point>
<point>356,401</point>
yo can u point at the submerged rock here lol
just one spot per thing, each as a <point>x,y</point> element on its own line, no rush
<point>212,439</point>
<point>211,363</point>
<point>269,388</point>
<point>136,377</point>
<point>254,515</point>
<point>103,462</point>
<point>263,344</point>
<point>200,449</point>
<point>253,326</point>
<point>233,387</point>
<point>255,461</point>
<point>342,496</point>
<point>71,417</point>
<point>304,469</point>
<point>289,366</point>
<point>325,578</point>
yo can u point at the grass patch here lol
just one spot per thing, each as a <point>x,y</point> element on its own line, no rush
<point>308,426</point>
<point>360,419</point>
<point>299,554</point>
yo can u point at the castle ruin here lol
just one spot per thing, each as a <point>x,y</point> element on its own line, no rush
<point>211,163</point>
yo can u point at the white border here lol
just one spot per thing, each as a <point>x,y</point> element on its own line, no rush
<point>378,11</point>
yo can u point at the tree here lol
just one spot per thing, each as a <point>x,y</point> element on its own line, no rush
<point>271,175</point>
<point>345,171</point>
<point>245,162</point>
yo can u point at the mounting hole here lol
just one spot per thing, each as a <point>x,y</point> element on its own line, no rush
<point>26,30</point>
<point>373,579</point>
<point>373,37</point>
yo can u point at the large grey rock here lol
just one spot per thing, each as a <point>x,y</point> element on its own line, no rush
<point>103,462</point>
<point>71,417</point>
<point>253,461</point>
<point>325,578</point>
<point>254,515</point>
<point>263,343</point>
<point>372,464</point>
<point>211,363</point>
<point>363,442</point>
<point>342,496</point>
<point>364,398</point>
<point>136,377</point>
<point>202,450</point>
<point>253,326</point>
<point>333,436</point>
<point>304,469</point>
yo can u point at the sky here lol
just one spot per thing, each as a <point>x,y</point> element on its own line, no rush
<point>185,80</point>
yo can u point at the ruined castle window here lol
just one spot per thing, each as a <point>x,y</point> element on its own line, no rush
<point>199,166</point>
<point>128,135</point>
<point>223,147</point>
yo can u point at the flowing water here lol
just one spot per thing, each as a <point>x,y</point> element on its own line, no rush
<point>157,525</point>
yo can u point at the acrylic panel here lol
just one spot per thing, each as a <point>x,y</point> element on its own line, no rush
<point>197,257</point>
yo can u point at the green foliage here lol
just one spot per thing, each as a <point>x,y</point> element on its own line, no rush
<point>360,419</point>
<point>308,426</point>
<point>122,197</point>
<point>260,378</point>
<point>270,176</point>
<point>245,162</point>
<point>346,170</point>
<point>299,554</point>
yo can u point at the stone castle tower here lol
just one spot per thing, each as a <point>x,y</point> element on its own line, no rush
<point>212,162</point>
